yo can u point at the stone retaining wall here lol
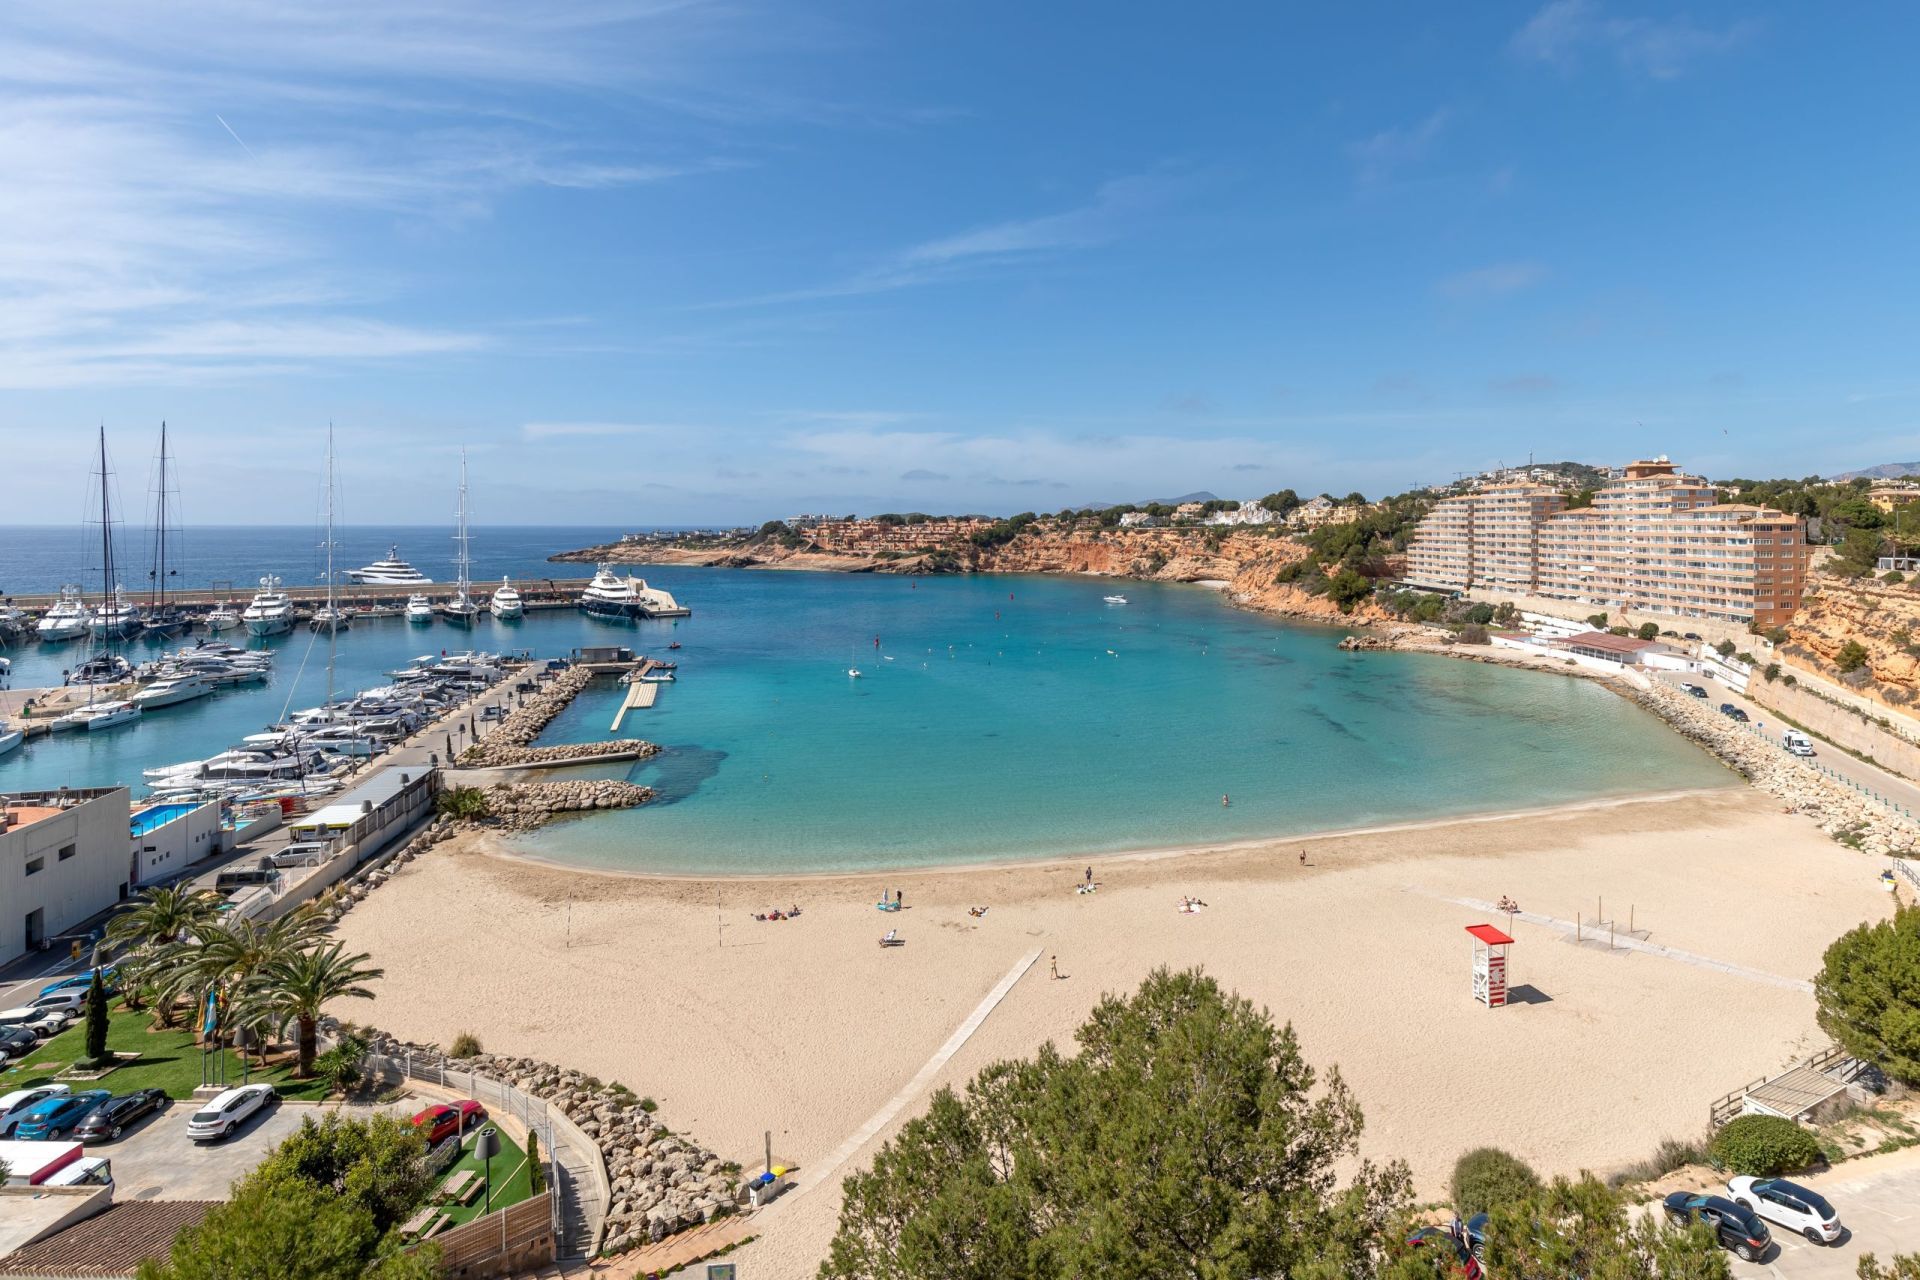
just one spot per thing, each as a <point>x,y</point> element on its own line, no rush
<point>491,755</point>
<point>523,725</point>
<point>522,806</point>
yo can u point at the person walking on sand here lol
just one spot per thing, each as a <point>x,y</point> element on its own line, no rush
<point>1303,857</point>
<point>1053,966</point>
<point>1089,875</point>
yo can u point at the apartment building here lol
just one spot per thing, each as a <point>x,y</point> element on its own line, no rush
<point>1654,541</point>
<point>1488,538</point>
<point>63,857</point>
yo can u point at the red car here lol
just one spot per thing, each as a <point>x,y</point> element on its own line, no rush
<point>443,1119</point>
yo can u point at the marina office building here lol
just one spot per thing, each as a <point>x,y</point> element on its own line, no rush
<point>1654,541</point>
<point>63,858</point>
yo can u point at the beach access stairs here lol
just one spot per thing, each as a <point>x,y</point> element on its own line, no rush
<point>1803,1093</point>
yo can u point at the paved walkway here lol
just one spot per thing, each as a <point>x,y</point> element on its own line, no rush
<point>1627,942</point>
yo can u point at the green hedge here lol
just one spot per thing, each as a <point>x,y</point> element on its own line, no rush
<point>1764,1146</point>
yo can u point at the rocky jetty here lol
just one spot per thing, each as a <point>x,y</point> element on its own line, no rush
<point>522,806</point>
<point>524,724</point>
<point>491,755</point>
<point>661,1182</point>
<point>1842,813</point>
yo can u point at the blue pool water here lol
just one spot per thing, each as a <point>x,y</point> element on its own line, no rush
<point>998,717</point>
<point>159,815</point>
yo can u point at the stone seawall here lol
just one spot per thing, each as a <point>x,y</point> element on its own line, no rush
<point>492,755</point>
<point>522,806</point>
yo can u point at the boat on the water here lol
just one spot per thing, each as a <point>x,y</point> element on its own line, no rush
<point>66,620</point>
<point>115,618</point>
<point>101,668</point>
<point>223,617</point>
<point>10,738</point>
<point>99,715</point>
<point>164,619</point>
<point>271,611</point>
<point>461,610</point>
<point>624,599</point>
<point>391,572</point>
<point>506,604</point>
<point>419,609</point>
<point>1115,599</point>
<point>184,687</point>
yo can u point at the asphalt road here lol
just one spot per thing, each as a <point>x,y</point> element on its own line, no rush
<point>1878,1200</point>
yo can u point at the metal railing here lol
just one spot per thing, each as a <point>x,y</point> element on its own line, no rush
<point>1891,805</point>
<point>1908,871</point>
<point>1731,1105</point>
<point>570,1158</point>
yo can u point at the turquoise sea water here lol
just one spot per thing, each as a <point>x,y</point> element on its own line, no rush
<point>1000,717</point>
<point>1021,717</point>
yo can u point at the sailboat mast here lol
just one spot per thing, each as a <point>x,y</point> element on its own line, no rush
<point>464,564</point>
<point>106,547</point>
<point>333,613</point>
<point>157,598</point>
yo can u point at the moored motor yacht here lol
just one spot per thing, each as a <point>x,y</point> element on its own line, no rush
<point>506,604</point>
<point>66,620</point>
<point>419,609</point>
<point>116,618</point>
<point>184,687</point>
<point>1115,599</point>
<point>223,617</point>
<point>10,738</point>
<point>271,611</point>
<point>391,572</point>
<point>98,715</point>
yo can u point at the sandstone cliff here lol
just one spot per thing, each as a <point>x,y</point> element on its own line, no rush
<point>1884,619</point>
<point>1245,561</point>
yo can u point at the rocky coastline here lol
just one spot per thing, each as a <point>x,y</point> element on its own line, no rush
<point>500,755</point>
<point>523,806</point>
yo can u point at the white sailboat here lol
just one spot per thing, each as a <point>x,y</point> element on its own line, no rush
<point>330,617</point>
<point>102,665</point>
<point>461,610</point>
<point>164,619</point>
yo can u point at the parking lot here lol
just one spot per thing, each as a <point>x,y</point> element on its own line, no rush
<point>157,1161</point>
<point>1878,1200</point>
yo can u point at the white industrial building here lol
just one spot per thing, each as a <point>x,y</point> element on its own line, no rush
<point>169,837</point>
<point>63,858</point>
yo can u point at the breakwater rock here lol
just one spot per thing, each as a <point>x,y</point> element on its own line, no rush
<point>1842,812</point>
<point>661,1182</point>
<point>522,806</point>
<point>524,724</point>
<point>495,755</point>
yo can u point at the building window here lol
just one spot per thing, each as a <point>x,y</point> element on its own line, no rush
<point>35,865</point>
<point>66,851</point>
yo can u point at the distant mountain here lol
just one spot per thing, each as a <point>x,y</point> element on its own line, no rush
<point>1202,496</point>
<point>1885,471</point>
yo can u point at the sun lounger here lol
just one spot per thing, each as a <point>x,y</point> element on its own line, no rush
<point>893,939</point>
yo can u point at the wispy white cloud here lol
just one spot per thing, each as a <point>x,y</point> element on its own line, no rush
<point>177,182</point>
<point>1117,208</point>
<point>1381,157</point>
<point>1661,48</point>
<point>1497,280</point>
<point>594,430</point>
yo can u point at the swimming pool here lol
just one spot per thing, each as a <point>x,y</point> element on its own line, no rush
<point>159,815</point>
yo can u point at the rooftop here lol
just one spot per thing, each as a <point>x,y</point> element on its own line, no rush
<point>1607,642</point>
<point>113,1243</point>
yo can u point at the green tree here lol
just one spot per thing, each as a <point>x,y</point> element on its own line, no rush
<point>1281,503</point>
<point>1583,1231</point>
<point>283,1226</point>
<point>1348,588</point>
<point>1185,1139</point>
<point>96,1019</point>
<point>1725,648</point>
<point>1852,656</point>
<point>1868,991</point>
<point>376,1164</point>
<point>1488,1176</point>
<point>1905,1266</point>
<point>1859,552</point>
<point>1596,620</point>
<point>1649,630</point>
<point>342,1066</point>
<point>226,958</point>
<point>536,1168</point>
<point>158,919</point>
<point>300,985</point>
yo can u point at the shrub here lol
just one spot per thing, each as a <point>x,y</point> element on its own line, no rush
<point>340,1066</point>
<point>1480,615</point>
<point>649,1106</point>
<point>462,802</point>
<point>1764,1146</point>
<point>1772,672</point>
<point>1893,577</point>
<point>536,1172</point>
<point>1596,620</point>
<point>465,1045</point>
<point>1473,633</point>
<point>1487,1177</point>
<point>1671,1154</point>
<point>1724,648</point>
<point>1649,630</point>
<point>1852,656</point>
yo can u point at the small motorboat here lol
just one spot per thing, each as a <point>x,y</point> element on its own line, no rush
<point>10,738</point>
<point>674,645</point>
<point>1115,599</point>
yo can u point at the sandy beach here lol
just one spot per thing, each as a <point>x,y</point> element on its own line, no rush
<point>808,1028</point>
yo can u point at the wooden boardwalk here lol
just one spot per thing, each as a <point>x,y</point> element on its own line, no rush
<point>639,697</point>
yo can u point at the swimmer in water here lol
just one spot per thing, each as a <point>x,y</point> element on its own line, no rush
<point>1224,801</point>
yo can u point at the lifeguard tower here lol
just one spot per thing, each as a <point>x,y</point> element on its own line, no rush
<point>1489,965</point>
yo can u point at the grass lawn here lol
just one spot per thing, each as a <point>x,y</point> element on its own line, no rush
<point>169,1060</point>
<point>510,1181</point>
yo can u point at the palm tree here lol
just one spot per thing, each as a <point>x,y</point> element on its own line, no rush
<point>298,987</point>
<point>160,919</point>
<point>226,957</point>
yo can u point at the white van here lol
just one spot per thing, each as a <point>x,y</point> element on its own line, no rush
<point>1797,743</point>
<point>88,1171</point>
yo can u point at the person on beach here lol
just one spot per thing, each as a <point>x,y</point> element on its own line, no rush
<point>900,897</point>
<point>1053,966</point>
<point>1089,875</point>
<point>1303,857</point>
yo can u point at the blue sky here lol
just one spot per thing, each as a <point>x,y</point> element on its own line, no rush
<point>686,262</point>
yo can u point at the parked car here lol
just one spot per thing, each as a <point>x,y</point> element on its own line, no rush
<point>17,1042</point>
<point>69,998</point>
<point>43,1023</point>
<point>1447,1243</point>
<point>1735,1228</point>
<point>1791,1205</point>
<point>1693,691</point>
<point>52,1119</point>
<point>80,980</point>
<point>106,1121</point>
<point>1732,712</point>
<point>1688,635</point>
<point>444,1119</point>
<point>21,1101</point>
<point>302,853</point>
<point>225,1112</point>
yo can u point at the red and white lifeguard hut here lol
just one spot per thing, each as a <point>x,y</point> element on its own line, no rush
<point>1489,964</point>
